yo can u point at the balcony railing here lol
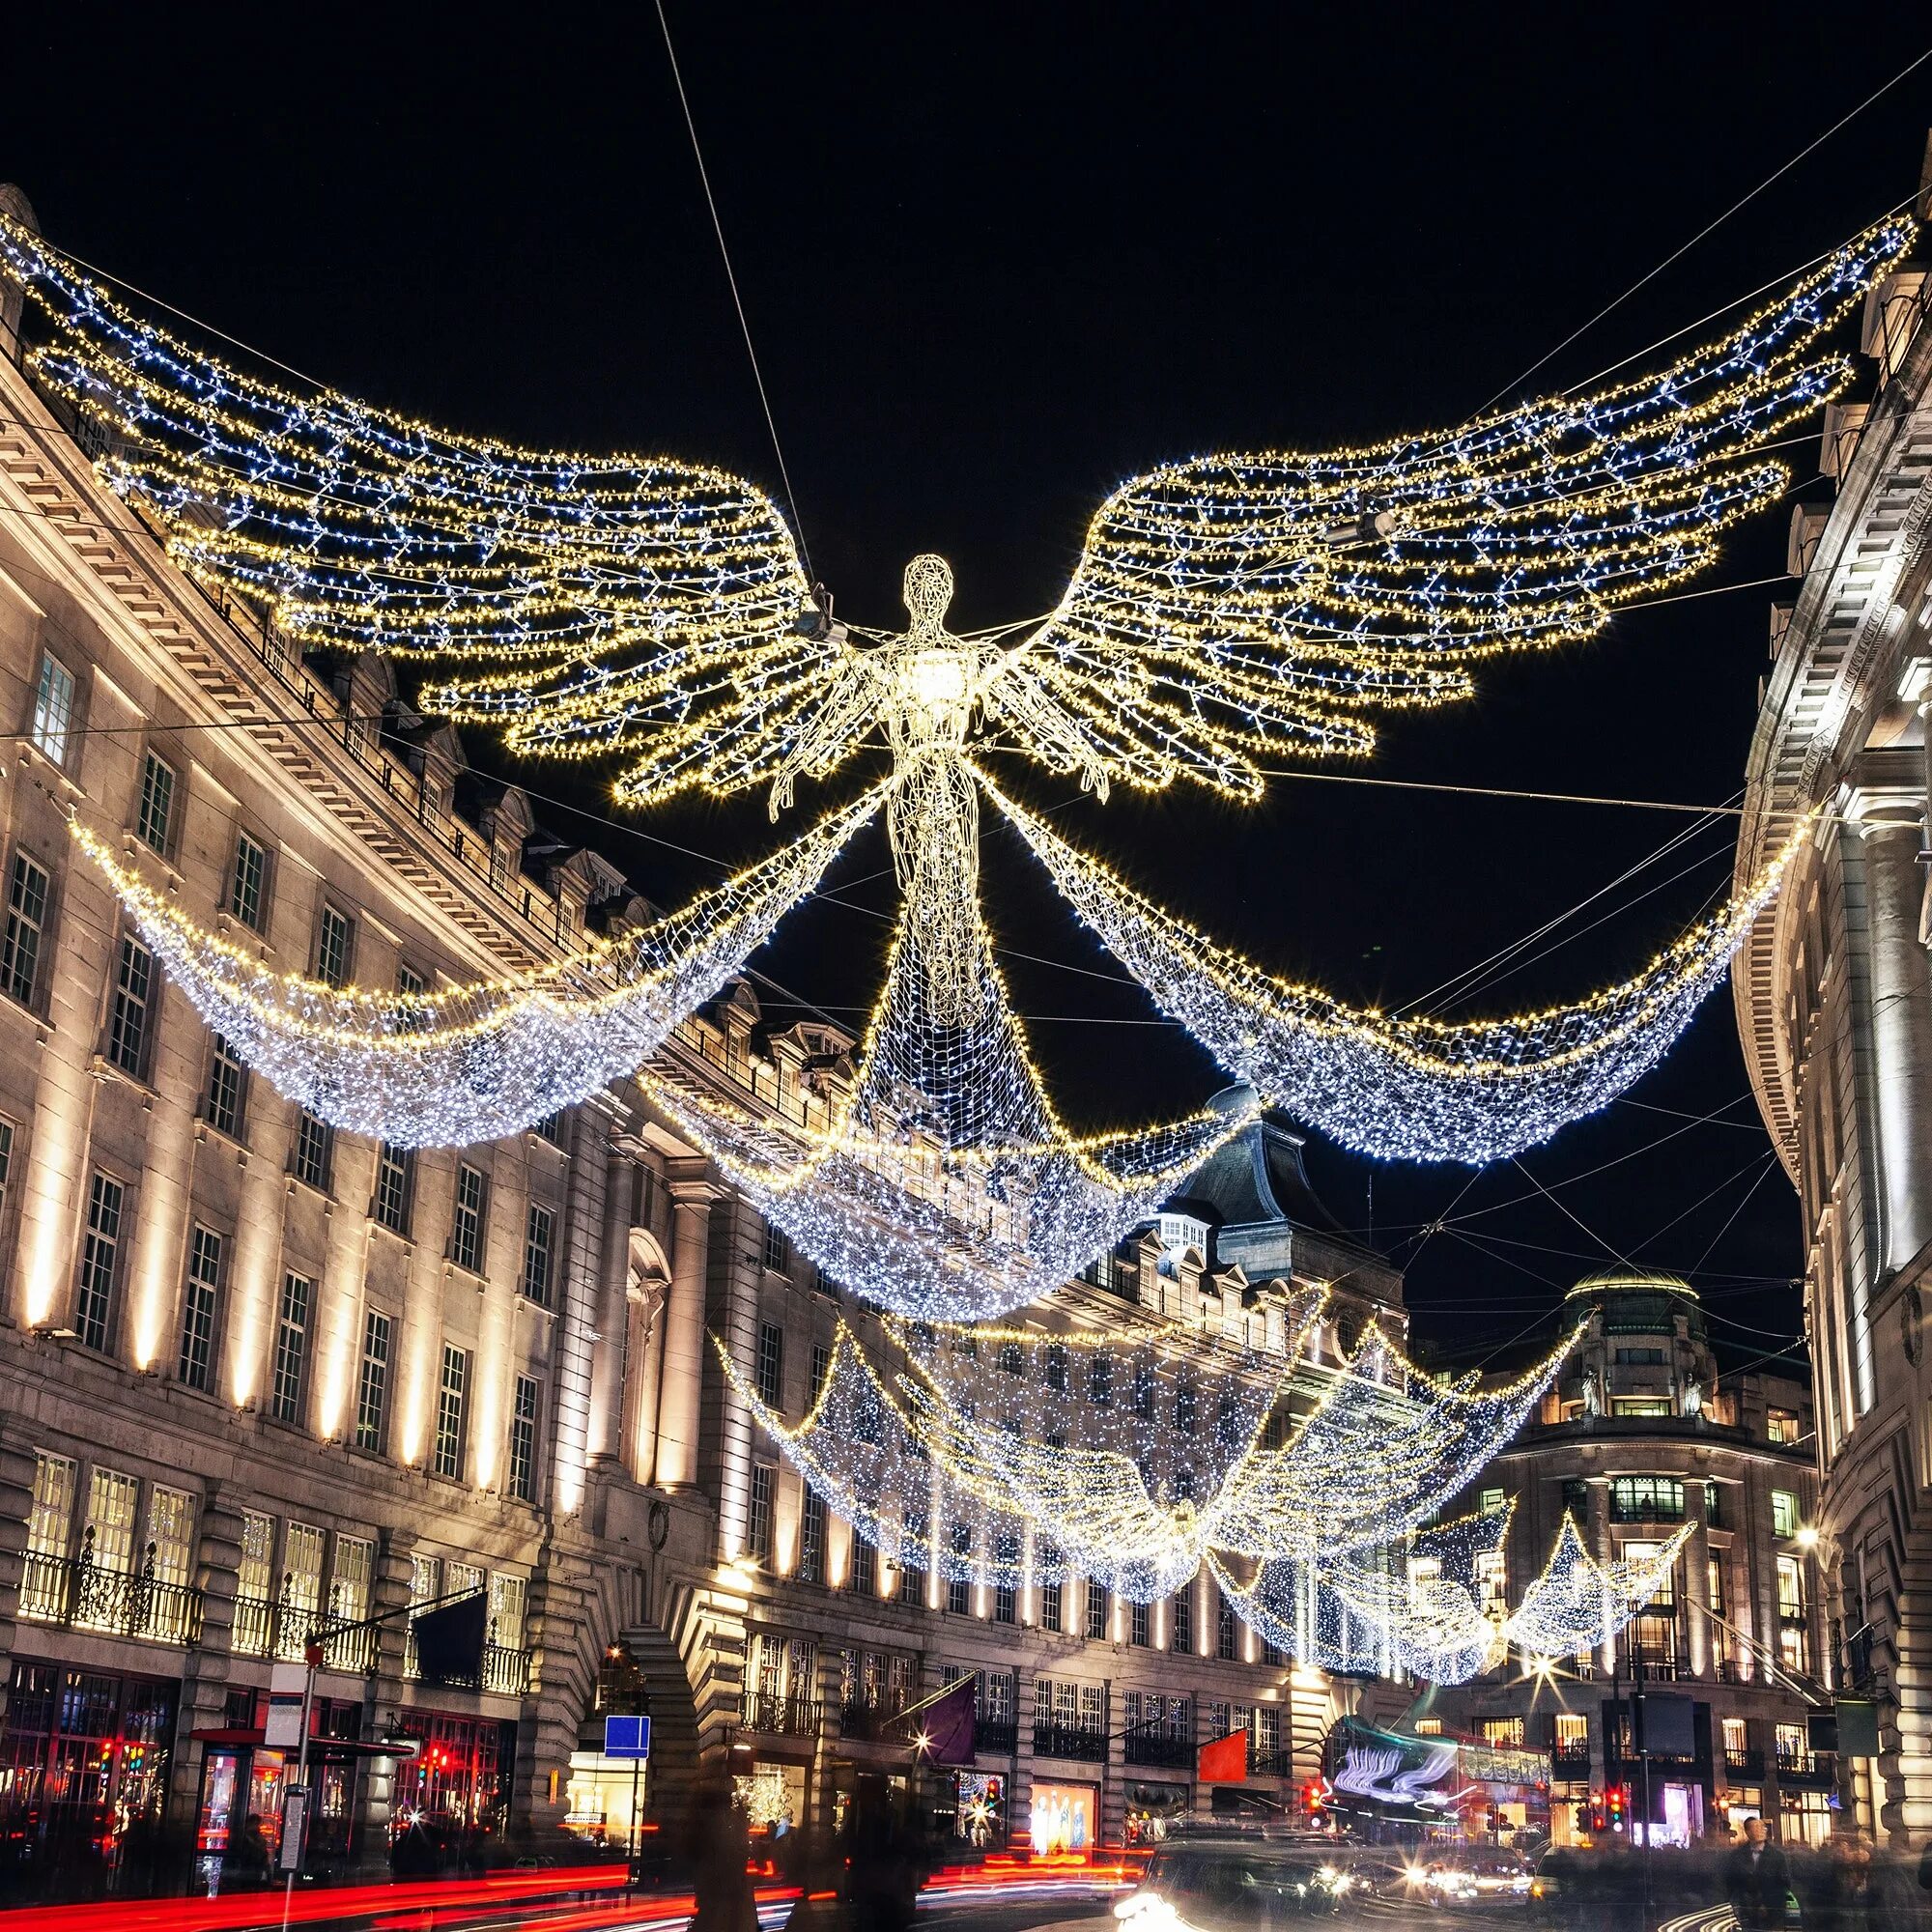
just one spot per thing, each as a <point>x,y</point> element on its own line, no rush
<point>82,1594</point>
<point>1812,1770</point>
<point>1570,1760</point>
<point>780,1717</point>
<point>1269,1763</point>
<point>1748,1765</point>
<point>1149,1747</point>
<point>1083,1744</point>
<point>871,1717</point>
<point>996,1737</point>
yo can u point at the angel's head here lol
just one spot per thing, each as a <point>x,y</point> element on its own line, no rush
<point>928,592</point>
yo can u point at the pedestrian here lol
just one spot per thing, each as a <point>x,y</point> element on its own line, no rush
<point>248,1861</point>
<point>1757,1877</point>
<point>722,1848</point>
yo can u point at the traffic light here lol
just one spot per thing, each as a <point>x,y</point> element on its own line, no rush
<point>1616,1803</point>
<point>1588,1817</point>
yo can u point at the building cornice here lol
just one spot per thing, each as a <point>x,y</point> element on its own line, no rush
<point>1837,666</point>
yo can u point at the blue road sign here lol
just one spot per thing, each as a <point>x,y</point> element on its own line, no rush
<point>627,1737</point>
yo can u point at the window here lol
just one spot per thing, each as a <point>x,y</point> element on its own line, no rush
<point>1056,1367</point>
<point>1183,1619</point>
<point>111,1500</point>
<point>758,1512</point>
<point>865,1567</point>
<point>372,1385</point>
<point>1737,1738</point>
<point>1049,1607</point>
<point>1491,1499</point>
<point>351,1579</point>
<point>1640,1404</point>
<point>539,1240</point>
<point>26,924</point>
<point>334,945</point>
<point>52,1508</point>
<point>811,1538</point>
<point>1427,1727</point>
<point>155,819</point>
<point>1646,1499</point>
<point>248,889</point>
<point>1186,1409</point>
<point>197,1335</point>
<point>1504,1731</point>
<point>1789,1742</point>
<point>254,1584</point>
<point>1007,1555</point>
<point>93,1300</point>
<point>553,1128</point>
<point>315,1153</point>
<point>1643,1358</point>
<point>227,1088</point>
<point>395,1187</point>
<point>1572,1736</point>
<point>301,1586</point>
<point>1780,1425</point>
<point>1097,1612</point>
<point>465,1228</point>
<point>1144,1391</point>
<point>1101,1381</point>
<point>771,1364</point>
<point>1790,1587</point>
<point>127,1016</point>
<point>53,708</point>
<point>1783,1513</point>
<point>449,1401</point>
<point>821,1367</point>
<point>509,1603</point>
<point>1224,1630</point>
<point>523,1440</point>
<point>1011,1362</point>
<point>285,1384</point>
<point>778,1248</point>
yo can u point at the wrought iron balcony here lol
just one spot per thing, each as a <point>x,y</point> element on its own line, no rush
<point>1570,1760</point>
<point>997,1737</point>
<point>1269,1763</point>
<point>80,1593</point>
<point>1807,1771</point>
<point>1748,1765</point>
<point>1149,1747</point>
<point>871,1717</point>
<point>1082,1744</point>
<point>780,1716</point>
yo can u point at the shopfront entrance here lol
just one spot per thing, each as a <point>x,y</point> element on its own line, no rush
<point>84,1760</point>
<point>454,1794</point>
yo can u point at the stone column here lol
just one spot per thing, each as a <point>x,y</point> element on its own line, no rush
<point>609,1362</point>
<point>1699,1628</point>
<point>1901,1028</point>
<point>17,1502</point>
<point>204,1673</point>
<point>683,1368</point>
<point>582,1285</point>
<point>376,1788</point>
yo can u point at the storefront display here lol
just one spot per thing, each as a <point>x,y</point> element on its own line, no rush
<point>979,1809</point>
<point>1064,1817</point>
<point>454,1791</point>
<point>1152,1807</point>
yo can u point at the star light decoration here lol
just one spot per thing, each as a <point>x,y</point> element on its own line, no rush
<point>1225,611</point>
<point>1016,1457</point>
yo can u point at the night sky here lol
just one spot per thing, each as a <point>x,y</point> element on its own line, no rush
<point>993,268</point>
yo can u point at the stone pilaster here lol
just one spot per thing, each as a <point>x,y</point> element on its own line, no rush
<point>16,1500</point>
<point>390,1598</point>
<point>1901,1028</point>
<point>204,1670</point>
<point>582,1293</point>
<point>676,1464</point>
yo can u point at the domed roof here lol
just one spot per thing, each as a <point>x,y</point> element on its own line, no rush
<point>1627,1280</point>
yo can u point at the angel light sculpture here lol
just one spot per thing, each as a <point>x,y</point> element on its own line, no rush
<point>1226,611</point>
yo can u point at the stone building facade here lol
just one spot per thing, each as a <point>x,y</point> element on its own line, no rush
<point>1640,1435</point>
<point>256,1375</point>
<point>1834,1009</point>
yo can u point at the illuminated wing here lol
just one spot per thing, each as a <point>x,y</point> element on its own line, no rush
<point>621,604</point>
<point>1243,605</point>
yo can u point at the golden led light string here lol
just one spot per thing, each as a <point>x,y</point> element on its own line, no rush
<point>1019,1457</point>
<point>657,610</point>
<point>473,1062</point>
